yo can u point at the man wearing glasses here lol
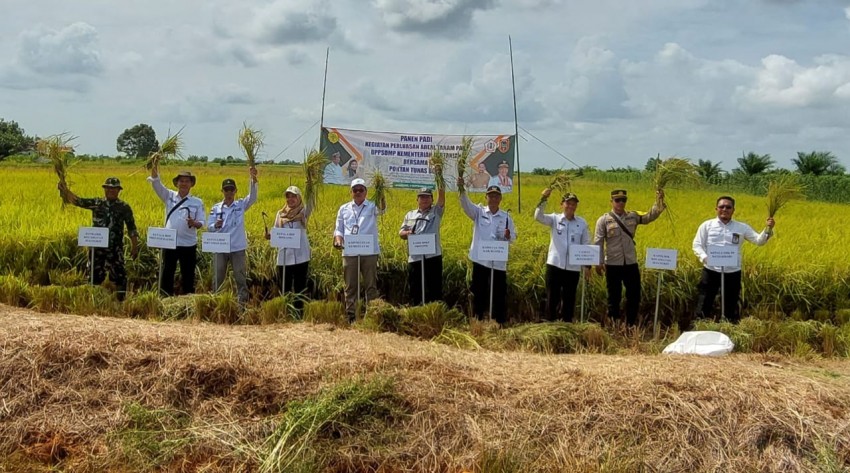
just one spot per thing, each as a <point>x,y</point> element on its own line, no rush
<point>359,217</point>
<point>615,236</point>
<point>566,229</point>
<point>723,231</point>
<point>425,219</point>
<point>228,216</point>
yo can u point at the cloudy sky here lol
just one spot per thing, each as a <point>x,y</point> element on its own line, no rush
<point>604,82</point>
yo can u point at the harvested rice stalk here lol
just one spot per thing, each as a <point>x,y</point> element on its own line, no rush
<point>438,162</point>
<point>251,141</point>
<point>780,191</point>
<point>562,182</point>
<point>171,147</point>
<point>379,190</point>
<point>314,165</point>
<point>58,150</point>
<point>463,157</point>
<point>674,171</point>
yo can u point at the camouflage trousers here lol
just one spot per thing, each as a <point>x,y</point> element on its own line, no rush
<point>110,261</point>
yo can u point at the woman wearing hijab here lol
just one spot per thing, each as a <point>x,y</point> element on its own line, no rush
<point>294,215</point>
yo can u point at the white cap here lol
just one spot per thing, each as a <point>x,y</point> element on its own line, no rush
<point>358,182</point>
<point>293,190</point>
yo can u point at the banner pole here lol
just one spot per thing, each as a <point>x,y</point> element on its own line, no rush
<point>516,131</point>
<point>657,303</point>
<point>324,88</point>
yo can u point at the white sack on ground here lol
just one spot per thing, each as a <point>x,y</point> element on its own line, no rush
<point>701,343</point>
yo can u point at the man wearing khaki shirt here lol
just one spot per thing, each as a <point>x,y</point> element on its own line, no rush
<point>614,235</point>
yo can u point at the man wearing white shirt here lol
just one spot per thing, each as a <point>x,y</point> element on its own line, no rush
<point>566,229</point>
<point>489,224</point>
<point>228,216</point>
<point>185,214</point>
<point>333,171</point>
<point>723,231</point>
<point>425,219</point>
<point>359,217</point>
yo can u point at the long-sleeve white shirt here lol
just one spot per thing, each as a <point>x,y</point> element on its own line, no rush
<point>302,254</point>
<point>364,217</point>
<point>488,226</point>
<point>233,216</point>
<point>716,233</point>
<point>332,174</point>
<point>185,236</point>
<point>563,234</point>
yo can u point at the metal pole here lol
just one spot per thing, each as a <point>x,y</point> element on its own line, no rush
<point>159,274</point>
<point>723,292</point>
<point>324,88</point>
<point>423,279</point>
<point>283,275</point>
<point>357,309</point>
<point>492,271</point>
<point>583,287</point>
<point>516,131</point>
<point>657,303</point>
<point>91,250</point>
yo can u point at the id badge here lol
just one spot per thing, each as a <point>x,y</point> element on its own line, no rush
<point>736,238</point>
<point>573,238</point>
<point>355,229</point>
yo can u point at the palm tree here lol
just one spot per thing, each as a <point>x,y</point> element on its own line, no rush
<point>752,164</point>
<point>817,163</point>
<point>710,172</point>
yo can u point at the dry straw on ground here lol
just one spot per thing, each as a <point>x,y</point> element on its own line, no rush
<point>88,393</point>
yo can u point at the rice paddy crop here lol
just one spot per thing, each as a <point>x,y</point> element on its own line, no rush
<point>793,275</point>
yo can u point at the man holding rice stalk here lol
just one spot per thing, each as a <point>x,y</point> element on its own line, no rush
<point>490,223</point>
<point>228,216</point>
<point>615,236</point>
<point>566,228</point>
<point>425,219</point>
<point>723,231</point>
<point>359,217</point>
<point>112,213</point>
<point>184,213</point>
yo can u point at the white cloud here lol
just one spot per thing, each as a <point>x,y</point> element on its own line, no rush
<point>285,22</point>
<point>431,18</point>
<point>212,105</point>
<point>784,83</point>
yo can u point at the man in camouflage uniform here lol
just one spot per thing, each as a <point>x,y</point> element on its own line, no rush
<point>112,213</point>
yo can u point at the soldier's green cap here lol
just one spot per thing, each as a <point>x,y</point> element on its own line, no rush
<point>228,183</point>
<point>112,182</point>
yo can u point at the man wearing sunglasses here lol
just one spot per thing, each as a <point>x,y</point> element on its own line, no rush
<point>359,217</point>
<point>615,236</point>
<point>723,231</point>
<point>228,216</point>
<point>566,229</point>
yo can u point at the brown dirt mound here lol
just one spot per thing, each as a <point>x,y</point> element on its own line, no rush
<point>66,383</point>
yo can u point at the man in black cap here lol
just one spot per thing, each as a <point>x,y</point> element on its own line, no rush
<point>228,216</point>
<point>184,213</point>
<point>113,213</point>
<point>425,219</point>
<point>615,236</point>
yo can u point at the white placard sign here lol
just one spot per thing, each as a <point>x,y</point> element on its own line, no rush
<point>493,250</point>
<point>583,255</point>
<point>355,245</point>
<point>422,244</point>
<point>93,237</point>
<point>719,255</point>
<point>215,242</point>
<point>658,258</point>
<point>165,238</point>
<point>285,237</point>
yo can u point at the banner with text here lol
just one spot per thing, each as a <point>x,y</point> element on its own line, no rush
<point>404,158</point>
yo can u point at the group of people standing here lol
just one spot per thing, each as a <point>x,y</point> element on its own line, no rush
<point>614,234</point>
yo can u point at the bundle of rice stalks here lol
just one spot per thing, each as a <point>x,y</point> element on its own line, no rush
<point>561,183</point>
<point>438,163</point>
<point>379,190</point>
<point>463,157</point>
<point>781,190</point>
<point>314,166</point>
<point>58,150</point>
<point>674,171</point>
<point>251,141</point>
<point>171,147</point>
